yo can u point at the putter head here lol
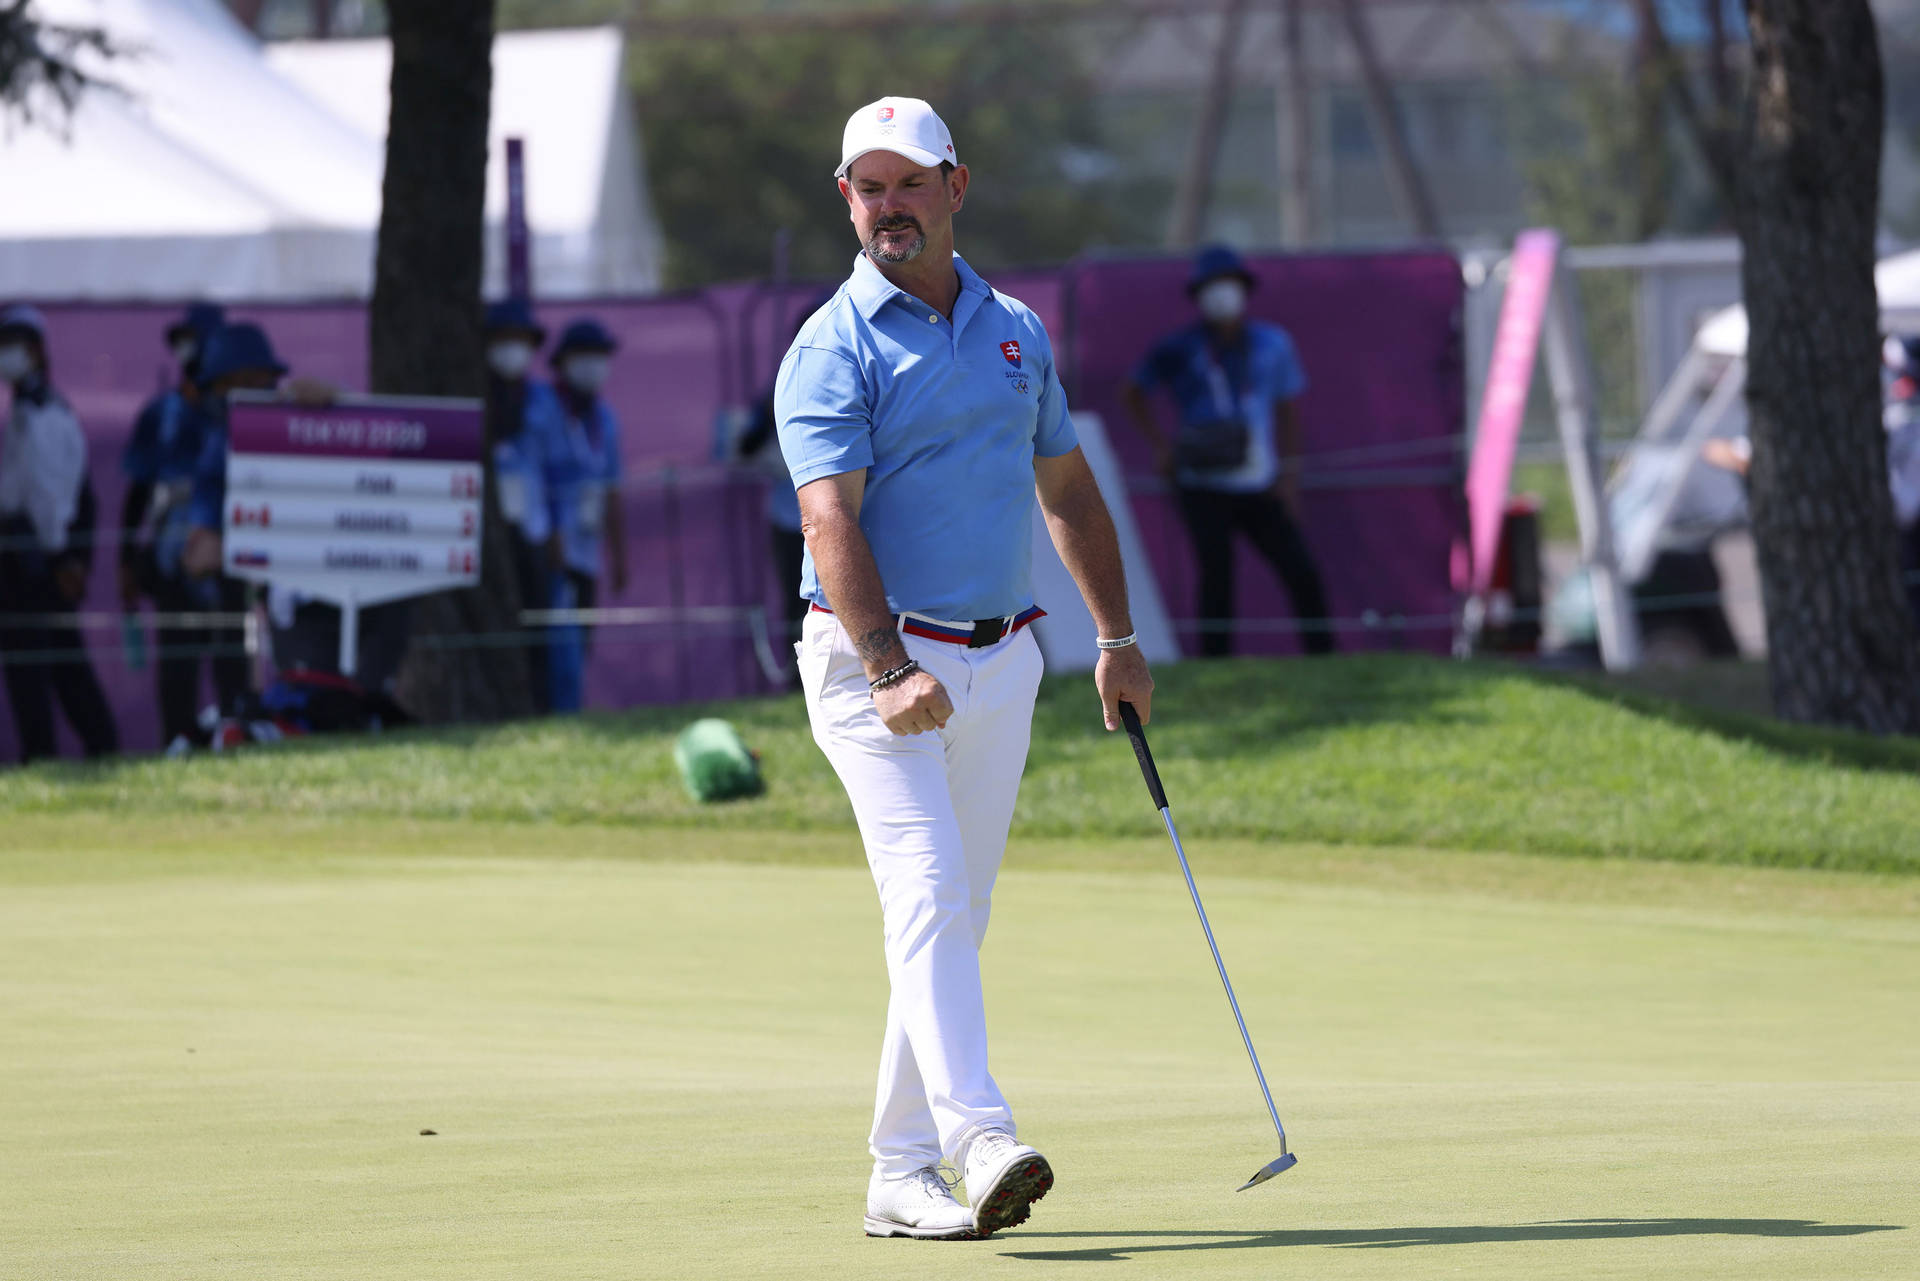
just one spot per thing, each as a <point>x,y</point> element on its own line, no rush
<point>1286,1162</point>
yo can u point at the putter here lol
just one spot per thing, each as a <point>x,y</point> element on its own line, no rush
<point>1131,719</point>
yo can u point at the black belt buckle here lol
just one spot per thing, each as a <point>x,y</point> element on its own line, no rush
<point>987,631</point>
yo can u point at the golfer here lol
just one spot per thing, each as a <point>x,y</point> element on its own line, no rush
<point>920,412</point>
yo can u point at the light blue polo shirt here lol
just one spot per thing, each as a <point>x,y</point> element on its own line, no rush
<point>946,419</point>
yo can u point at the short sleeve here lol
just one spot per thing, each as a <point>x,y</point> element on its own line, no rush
<point>1289,375</point>
<point>1159,366</point>
<point>825,418</point>
<point>1053,434</point>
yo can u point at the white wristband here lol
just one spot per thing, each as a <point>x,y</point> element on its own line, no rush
<point>1130,638</point>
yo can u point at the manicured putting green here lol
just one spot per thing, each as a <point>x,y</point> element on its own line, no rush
<point>220,1065</point>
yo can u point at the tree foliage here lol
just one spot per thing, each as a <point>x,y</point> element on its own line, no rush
<point>42,63</point>
<point>1592,172</point>
<point>743,135</point>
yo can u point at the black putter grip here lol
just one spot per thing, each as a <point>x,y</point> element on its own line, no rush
<point>1138,736</point>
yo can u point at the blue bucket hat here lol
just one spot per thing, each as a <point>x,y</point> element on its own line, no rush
<point>512,315</point>
<point>584,334</point>
<point>1216,261</point>
<point>22,319</point>
<point>232,348</point>
<point>198,321</point>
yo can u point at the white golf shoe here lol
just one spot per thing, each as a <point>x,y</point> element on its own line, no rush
<point>920,1205</point>
<point>1004,1178</point>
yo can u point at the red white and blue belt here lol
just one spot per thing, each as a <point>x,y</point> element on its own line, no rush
<point>977,634</point>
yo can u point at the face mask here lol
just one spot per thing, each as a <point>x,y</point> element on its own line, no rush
<point>184,351</point>
<point>586,374</point>
<point>1222,300</point>
<point>510,358</point>
<point>16,362</point>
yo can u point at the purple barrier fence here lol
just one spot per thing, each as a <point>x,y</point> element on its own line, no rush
<point>1382,419</point>
<point>1378,335</point>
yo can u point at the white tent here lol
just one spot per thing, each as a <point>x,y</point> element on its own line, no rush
<point>560,91</point>
<point>208,176</point>
<point>1897,278</point>
<point>216,174</point>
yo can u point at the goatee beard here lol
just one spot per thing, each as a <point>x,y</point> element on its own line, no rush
<point>894,257</point>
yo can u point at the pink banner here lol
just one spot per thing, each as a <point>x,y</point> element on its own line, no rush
<point>1502,409</point>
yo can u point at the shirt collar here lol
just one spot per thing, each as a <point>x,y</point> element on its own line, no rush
<point>870,290</point>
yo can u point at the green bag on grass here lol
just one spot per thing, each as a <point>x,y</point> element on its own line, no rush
<point>715,764</point>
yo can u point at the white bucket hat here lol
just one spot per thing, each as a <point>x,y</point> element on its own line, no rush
<point>905,126</point>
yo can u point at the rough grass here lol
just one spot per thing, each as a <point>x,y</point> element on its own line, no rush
<point>1375,750</point>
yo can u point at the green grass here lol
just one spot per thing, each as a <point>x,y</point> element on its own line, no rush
<point>1376,751</point>
<point>647,1053</point>
<point>237,989</point>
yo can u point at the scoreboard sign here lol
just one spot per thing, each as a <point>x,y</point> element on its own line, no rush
<point>358,502</point>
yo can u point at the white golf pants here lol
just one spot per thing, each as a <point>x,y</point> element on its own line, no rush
<point>933,811</point>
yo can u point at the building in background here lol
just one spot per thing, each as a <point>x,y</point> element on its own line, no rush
<point>1470,79</point>
<point>1454,69</point>
<point>1481,87</point>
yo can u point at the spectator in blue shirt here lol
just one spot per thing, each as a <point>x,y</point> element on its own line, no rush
<point>160,462</point>
<point>514,398</point>
<point>574,447</point>
<point>1234,459</point>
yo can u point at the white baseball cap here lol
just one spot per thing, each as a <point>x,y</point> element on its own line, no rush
<point>905,126</point>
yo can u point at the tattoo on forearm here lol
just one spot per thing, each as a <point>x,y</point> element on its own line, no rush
<point>878,644</point>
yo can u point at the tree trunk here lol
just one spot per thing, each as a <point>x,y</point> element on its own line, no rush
<point>425,331</point>
<point>1842,644</point>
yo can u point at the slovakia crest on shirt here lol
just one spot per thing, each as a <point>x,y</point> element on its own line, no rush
<point>886,114</point>
<point>1011,350</point>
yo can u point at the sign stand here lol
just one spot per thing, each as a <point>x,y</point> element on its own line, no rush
<point>349,633</point>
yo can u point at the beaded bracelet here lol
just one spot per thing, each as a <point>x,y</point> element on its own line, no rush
<point>888,679</point>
